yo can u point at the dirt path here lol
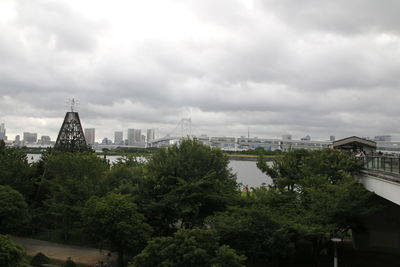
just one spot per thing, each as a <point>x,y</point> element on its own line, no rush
<point>83,255</point>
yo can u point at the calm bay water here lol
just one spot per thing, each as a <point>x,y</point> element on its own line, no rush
<point>248,174</point>
<point>246,171</point>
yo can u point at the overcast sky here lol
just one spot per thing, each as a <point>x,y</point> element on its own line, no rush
<point>269,66</point>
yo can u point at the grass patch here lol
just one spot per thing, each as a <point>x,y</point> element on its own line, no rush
<point>57,263</point>
<point>75,237</point>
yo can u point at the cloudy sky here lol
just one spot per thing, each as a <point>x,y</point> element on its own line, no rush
<point>269,66</point>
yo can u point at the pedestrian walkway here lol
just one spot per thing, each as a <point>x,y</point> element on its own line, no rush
<point>82,255</point>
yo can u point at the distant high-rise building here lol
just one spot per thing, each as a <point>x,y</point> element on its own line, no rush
<point>143,138</point>
<point>17,141</point>
<point>383,138</point>
<point>2,132</point>
<point>118,138</point>
<point>151,135</point>
<point>30,138</point>
<point>90,134</point>
<point>138,135</point>
<point>131,136</point>
<point>134,136</point>
<point>332,138</point>
<point>45,140</point>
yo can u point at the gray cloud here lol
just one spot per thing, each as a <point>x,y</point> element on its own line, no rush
<point>274,67</point>
<point>343,17</point>
<point>55,24</point>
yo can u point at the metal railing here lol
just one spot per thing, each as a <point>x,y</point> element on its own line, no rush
<point>382,163</point>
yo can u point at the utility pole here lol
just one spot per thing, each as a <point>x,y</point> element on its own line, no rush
<point>335,255</point>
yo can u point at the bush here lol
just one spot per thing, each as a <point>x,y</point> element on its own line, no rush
<point>39,259</point>
<point>69,263</point>
<point>11,255</point>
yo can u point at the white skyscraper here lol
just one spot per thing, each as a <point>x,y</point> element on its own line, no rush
<point>118,138</point>
<point>17,141</point>
<point>151,135</point>
<point>134,136</point>
<point>90,134</point>
<point>2,131</point>
<point>30,138</point>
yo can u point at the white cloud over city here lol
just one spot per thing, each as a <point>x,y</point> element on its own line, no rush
<point>269,66</point>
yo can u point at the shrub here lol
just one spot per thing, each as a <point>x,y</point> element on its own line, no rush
<point>39,259</point>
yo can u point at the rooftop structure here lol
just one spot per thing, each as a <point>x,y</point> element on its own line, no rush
<point>355,143</point>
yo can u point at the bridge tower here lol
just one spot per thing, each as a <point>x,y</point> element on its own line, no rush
<point>71,137</point>
<point>186,128</point>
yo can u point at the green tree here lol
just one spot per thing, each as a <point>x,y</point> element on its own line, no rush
<point>15,170</point>
<point>186,183</point>
<point>13,210</point>
<point>114,221</point>
<point>287,170</point>
<point>315,195</point>
<point>295,167</point>
<point>69,180</point>
<point>11,254</point>
<point>252,230</point>
<point>126,175</point>
<point>193,248</point>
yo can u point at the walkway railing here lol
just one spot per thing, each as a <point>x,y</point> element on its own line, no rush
<point>382,163</point>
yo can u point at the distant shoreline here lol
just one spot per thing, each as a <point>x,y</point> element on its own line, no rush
<point>238,157</point>
<point>243,157</point>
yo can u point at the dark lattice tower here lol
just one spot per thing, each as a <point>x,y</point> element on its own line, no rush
<point>71,137</point>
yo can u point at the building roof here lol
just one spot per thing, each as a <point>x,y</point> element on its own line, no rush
<point>350,141</point>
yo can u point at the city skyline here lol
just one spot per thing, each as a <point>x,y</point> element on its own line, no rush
<point>272,67</point>
<point>135,136</point>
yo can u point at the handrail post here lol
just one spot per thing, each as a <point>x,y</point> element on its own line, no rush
<point>383,158</point>
<point>391,164</point>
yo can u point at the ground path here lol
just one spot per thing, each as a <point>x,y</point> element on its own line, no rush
<point>83,255</point>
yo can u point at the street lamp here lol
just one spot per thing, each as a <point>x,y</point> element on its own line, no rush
<point>335,241</point>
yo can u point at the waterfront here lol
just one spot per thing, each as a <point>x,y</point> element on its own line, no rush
<point>246,171</point>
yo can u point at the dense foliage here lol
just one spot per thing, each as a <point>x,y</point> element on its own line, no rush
<point>252,231</point>
<point>15,170</point>
<point>113,220</point>
<point>195,247</point>
<point>13,210</point>
<point>68,181</point>
<point>184,185</point>
<point>11,255</point>
<point>314,195</point>
<point>182,206</point>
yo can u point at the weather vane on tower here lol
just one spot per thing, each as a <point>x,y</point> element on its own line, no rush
<point>73,104</point>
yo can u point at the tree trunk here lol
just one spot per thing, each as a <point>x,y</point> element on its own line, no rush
<point>121,262</point>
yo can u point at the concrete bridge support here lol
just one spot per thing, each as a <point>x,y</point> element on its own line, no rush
<point>381,230</point>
